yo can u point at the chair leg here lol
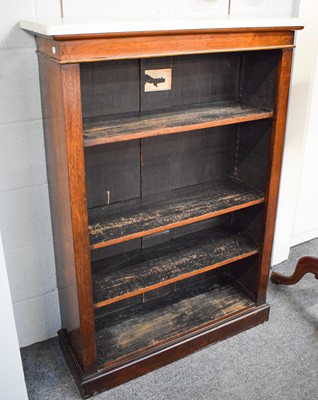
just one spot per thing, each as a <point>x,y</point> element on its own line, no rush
<point>304,266</point>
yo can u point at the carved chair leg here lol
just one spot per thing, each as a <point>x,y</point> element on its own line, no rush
<point>305,265</point>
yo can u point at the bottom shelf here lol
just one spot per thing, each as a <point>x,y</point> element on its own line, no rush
<point>141,327</point>
<point>109,377</point>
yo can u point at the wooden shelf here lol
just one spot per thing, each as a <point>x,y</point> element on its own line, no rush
<point>107,130</point>
<point>134,219</point>
<point>148,326</point>
<point>140,271</point>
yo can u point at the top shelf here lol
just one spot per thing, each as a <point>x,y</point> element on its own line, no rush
<point>99,131</point>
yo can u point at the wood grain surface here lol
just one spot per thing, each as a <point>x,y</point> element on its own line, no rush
<point>153,325</point>
<point>140,271</point>
<point>124,221</point>
<point>182,120</point>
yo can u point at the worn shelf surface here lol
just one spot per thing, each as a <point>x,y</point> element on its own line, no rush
<point>139,271</point>
<point>133,219</point>
<point>149,326</point>
<point>108,130</point>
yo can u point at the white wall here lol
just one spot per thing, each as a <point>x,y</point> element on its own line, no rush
<point>140,8</point>
<point>265,8</point>
<point>24,204</point>
<point>297,218</point>
<point>306,216</point>
<point>189,8</point>
<point>12,382</point>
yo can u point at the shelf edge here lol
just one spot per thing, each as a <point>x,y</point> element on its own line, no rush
<point>116,299</point>
<point>173,130</point>
<point>176,224</point>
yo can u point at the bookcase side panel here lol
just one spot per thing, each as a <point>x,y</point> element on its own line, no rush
<point>277,145</point>
<point>53,109</point>
<point>58,183</point>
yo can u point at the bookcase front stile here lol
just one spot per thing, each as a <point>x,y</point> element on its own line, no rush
<point>61,107</point>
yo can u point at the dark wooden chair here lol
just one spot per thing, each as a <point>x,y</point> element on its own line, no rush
<point>304,266</point>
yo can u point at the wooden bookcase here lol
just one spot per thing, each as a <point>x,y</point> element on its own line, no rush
<point>163,201</point>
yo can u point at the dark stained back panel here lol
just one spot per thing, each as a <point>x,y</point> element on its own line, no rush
<point>253,153</point>
<point>259,77</point>
<point>117,87</point>
<point>112,173</point>
<point>110,87</point>
<point>180,160</point>
<point>196,79</point>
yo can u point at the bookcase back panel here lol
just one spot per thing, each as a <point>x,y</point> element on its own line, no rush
<point>253,153</point>
<point>110,87</point>
<point>251,221</point>
<point>181,160</point>
<point>119,87</point>
<point>139,168</point>
<point>112,173</point>
<point>259,77</point>
<point>196,79</point>
<point>245,272</point>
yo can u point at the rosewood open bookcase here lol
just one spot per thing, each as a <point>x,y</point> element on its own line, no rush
<point>164,151</point>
